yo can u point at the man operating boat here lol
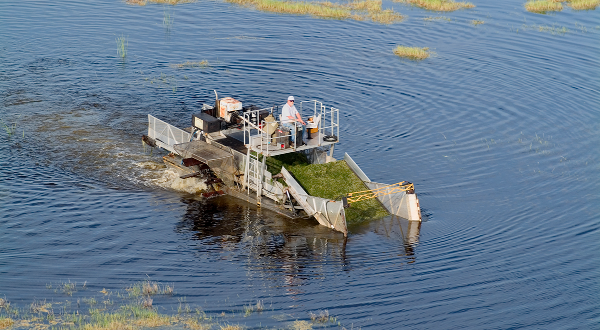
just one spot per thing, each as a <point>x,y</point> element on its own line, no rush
<point>290,118</point>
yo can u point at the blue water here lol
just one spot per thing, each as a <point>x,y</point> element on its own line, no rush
<point>499,131</point>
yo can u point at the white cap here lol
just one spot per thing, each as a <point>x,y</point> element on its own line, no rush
<point>290,98</point>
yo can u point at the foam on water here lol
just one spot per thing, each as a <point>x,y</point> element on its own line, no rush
<point>170,179</point>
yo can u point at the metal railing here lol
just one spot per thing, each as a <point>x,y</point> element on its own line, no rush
<point>166,135</point>
<point>256,136</point>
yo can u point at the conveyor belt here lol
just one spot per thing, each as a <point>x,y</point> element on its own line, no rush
<point>201,151</point>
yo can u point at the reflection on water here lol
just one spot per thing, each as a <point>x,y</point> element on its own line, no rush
<point>280,249</point>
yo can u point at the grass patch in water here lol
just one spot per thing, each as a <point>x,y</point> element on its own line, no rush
<point>149,288</point>
<point>543,6</point>
<point>412,53</point>
<point>438,5</point>
<point>333,181</point>
<point>477,22</point>
<point>127,317</point>
<point>301,325</point>
<point>5,322</point>
<point>584,4</point>
<point>387,16</point>
<point>356,10</point>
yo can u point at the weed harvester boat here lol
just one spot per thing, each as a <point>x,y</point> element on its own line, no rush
<point>228,148</point>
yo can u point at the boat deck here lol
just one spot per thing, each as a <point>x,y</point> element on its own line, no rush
<point>234,140</point>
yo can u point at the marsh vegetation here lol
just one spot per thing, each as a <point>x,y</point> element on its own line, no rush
<point>412,53</point>
<point>357,10</point>
<point>132,309</point>
<point>583,4</point>
<point>438,5</point>
<point>545,6</point>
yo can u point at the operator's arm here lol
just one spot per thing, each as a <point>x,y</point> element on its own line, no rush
<point>300,118</point>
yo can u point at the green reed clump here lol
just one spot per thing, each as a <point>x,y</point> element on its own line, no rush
<point>10,129</point>
<point>259,307</point>
<point>477,22</point>
<point>122,44</point>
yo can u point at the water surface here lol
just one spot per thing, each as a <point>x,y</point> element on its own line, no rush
<point>499,132</point>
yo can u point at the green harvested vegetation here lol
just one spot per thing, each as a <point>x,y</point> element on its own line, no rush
<point>334,180</point>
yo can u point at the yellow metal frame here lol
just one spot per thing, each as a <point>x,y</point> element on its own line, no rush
<point>383,191</point>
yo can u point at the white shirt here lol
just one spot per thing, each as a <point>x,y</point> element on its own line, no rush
<point>288,111</point>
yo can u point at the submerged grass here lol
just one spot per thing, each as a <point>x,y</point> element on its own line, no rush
<point>438,5</point>
<point>357,10</point>
<point>437,18</point>
<point>166,2</point>
<point>167,19</point>
<point>543,6</point>
<point>189,64</point>
<point>412,53</point>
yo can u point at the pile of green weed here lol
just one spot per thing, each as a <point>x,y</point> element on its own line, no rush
<point>275,163</point>
<point>334,180</point>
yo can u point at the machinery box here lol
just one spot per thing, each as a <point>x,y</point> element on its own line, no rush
<point>206,122</point>
<point>282,137</point>
<point>228,105</point>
